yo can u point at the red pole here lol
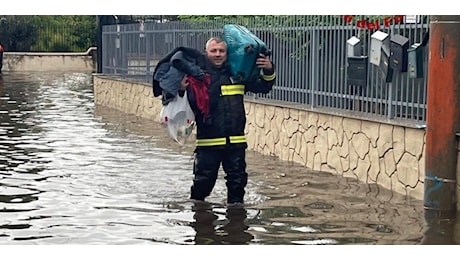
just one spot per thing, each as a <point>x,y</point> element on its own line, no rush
<point>443,115</point>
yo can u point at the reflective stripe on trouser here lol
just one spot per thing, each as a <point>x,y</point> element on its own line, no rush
<point>206,167</point>
<point>221,141</point>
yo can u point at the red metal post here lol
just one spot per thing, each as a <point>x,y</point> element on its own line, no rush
<point>443,115</point>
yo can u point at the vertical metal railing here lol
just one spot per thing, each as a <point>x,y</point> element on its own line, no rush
<point>309,53</point>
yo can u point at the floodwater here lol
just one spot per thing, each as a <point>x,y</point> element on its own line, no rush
<point>72,172</point>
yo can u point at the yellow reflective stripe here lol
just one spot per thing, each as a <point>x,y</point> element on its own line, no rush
<point>229,90</point>
<point>211,142</point>
<point>237,139</point>
<point>269,77</point>
<point>220,141</point>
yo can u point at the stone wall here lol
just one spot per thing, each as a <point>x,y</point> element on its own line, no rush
<point>36,61</point>
<point>389,155</point>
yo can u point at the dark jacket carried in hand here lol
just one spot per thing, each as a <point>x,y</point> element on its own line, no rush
<point>171,69</point>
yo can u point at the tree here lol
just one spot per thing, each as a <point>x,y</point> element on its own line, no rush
<point>47,33</point>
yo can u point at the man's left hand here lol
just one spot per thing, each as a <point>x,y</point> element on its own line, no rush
<point>264,62</point>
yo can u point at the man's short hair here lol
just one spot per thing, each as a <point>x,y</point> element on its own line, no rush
<point>217,39</point>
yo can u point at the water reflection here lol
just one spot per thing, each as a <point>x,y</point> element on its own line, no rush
<point>441,230</point>
<point>216,228</point>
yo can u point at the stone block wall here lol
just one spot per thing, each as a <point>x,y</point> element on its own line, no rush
<point>389,155</point>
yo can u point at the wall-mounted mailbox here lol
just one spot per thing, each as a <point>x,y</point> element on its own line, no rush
<point>398,52</point>
<point>378,39</point>
<point>353,47</point>
<point>357,70</point>
<point>386,72</point>
<point>415,60</point>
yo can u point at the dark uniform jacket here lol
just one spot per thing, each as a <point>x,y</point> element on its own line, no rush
<point>224,126</point>
<point>223,123</point>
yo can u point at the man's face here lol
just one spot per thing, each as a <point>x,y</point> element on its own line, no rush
<point>217,53</point>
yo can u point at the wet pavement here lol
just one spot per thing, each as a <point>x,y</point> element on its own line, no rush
<point>72,172</point>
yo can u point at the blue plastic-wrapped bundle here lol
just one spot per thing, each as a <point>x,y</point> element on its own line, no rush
<point>243,48</point>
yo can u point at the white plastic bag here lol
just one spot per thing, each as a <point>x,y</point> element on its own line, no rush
<point>178,118</point>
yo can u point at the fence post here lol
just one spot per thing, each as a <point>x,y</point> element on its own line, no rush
<point>101,21</point>
<point>314,68</point>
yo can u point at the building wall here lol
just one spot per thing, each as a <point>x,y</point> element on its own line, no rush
<point>373,152</point>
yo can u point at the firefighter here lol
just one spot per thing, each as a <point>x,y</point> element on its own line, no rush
<point>220,122</point>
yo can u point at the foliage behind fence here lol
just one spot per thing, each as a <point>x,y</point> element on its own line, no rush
<point>44,33</point>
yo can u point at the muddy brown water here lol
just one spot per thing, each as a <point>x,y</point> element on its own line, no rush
<point>72,172</point>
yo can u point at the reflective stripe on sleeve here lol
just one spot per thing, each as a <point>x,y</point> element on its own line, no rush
<point>269,77</point>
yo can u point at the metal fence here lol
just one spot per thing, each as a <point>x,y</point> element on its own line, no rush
<point>310,54</point>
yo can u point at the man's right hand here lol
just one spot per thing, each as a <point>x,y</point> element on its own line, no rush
<point>184,83</point>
